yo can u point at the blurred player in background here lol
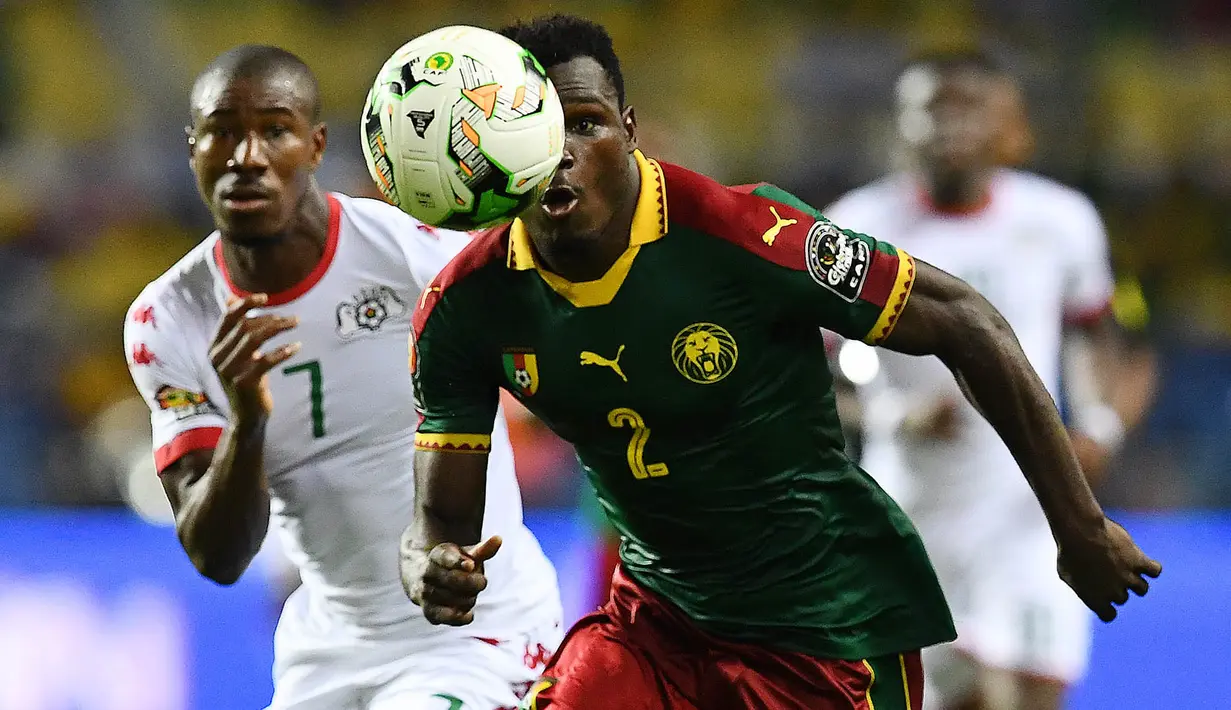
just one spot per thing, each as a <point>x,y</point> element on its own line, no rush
<point>1121,350</point>
<point>273,358</point>
<point>669,327</point>
<point>1037,251</point>
<point>1014,138</point>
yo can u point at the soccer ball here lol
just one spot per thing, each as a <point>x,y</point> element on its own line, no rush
<point>462,128</point>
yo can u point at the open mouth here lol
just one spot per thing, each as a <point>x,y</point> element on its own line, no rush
<point>245,200</point>
<point>558,201</point>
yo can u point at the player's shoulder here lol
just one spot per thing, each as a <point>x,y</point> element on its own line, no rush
<point>371,214</point>
<point>753,216</point>
<point>698,201</point>
<point>182,292</point>
<point>1041,194</point>
<point>486,250</point>
<point>399,237</point>
<point>485,256</point>
<point>377,220</point>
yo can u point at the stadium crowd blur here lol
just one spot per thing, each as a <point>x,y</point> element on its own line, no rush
<point>1130,101</point>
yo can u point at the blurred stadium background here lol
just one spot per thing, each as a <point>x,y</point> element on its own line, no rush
<point>99,610</point>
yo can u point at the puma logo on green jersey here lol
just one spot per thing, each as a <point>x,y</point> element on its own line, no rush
<point>589,358</point>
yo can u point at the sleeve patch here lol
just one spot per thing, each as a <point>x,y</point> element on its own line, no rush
<point>454,443</point>
<point>837,261</point>
<point>183,403</point>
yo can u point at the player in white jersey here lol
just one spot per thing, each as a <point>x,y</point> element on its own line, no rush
<point>1036,249</point>
<point>274,360</point>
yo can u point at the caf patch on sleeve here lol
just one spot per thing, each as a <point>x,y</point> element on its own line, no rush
<point>183,403</point>
<point>836,260</point>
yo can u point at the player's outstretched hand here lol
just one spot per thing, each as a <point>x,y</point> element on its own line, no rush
<point>237,357</point>
<point>446,580</point>
<point>1104,566</point>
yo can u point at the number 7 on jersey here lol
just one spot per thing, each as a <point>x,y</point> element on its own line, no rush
<point>315,393</point>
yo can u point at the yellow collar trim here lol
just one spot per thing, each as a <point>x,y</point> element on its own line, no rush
<point>649,225</point>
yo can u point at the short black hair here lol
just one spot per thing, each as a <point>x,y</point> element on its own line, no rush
<point>945,60</point>
<point>557,39</point>
<point>250,61</point>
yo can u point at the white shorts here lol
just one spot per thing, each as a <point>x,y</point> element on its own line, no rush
<point>1012,612</point>
<point>456,672</point>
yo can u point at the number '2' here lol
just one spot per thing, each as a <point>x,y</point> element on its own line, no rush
<point>625,417</point>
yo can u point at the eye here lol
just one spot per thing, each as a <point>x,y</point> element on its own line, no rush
<point>276,131</point>
<point>585,125</point>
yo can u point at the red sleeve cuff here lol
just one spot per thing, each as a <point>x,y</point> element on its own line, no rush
<point>1088,317</point>
<point>191,440</point>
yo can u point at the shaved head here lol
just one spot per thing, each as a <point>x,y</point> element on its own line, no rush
<point>261,63</point>
<point>255,141</point>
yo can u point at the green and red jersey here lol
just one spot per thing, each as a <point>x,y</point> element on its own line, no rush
<point>692,381</point>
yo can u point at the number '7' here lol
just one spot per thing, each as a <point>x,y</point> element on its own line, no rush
<point>315,392</point>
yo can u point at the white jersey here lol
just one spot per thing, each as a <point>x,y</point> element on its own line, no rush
<point>340,442</point>
<point>1038,252</point>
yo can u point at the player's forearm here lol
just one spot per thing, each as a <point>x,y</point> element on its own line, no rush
<point>1136,385</point>
<point>226,516</point>
<point>450,493</point>
<point>1000,381</point>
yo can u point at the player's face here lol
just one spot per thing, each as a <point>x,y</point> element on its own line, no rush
<point>962,129</point>
<point>253,148</point>
<point>597,175</point>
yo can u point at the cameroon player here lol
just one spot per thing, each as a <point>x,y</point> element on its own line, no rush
<point>669,327</point>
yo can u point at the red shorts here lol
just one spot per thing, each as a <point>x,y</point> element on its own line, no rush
<point>640,652</point>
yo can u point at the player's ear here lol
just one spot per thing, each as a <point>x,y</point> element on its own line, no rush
<point>320,137</point>
<point>191,140</point>
<point>629,119</point>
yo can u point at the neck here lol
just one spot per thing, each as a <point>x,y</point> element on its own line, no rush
<point>580,258</point>
<point>959,193</point>
<point>274,263</point>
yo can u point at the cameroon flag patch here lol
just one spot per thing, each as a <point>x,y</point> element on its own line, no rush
<point>522,369</point>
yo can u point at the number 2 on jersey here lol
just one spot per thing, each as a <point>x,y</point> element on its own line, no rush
<point>625,417</point>
<point>315,394</point>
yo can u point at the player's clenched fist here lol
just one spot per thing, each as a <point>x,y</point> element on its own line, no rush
<point>447,579</point>
<point>1103,565</point>
<point>237,355</point>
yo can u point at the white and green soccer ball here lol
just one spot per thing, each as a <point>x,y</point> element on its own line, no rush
<point>462,128</point>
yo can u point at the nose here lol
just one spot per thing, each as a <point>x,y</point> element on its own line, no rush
<point>566,160</point>
<point>250,153</point>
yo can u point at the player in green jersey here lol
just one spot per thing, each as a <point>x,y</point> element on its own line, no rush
<point>669,327</point>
